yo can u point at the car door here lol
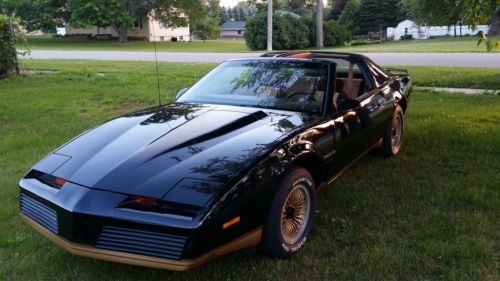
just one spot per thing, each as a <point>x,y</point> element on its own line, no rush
<point>377,104</point>
<point>359,125</point>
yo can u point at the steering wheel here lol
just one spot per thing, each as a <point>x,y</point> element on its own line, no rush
<point>298,95</point>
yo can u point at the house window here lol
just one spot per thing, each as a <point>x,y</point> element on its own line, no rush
<point>137,24</point>
<point>181,38</point>
<point>239,32</point>
<point>162,38</point>
<point>163,25</point>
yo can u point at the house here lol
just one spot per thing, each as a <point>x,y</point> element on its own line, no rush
<point>408,27</point>
<point>148,29</point>
<point>232,30</point>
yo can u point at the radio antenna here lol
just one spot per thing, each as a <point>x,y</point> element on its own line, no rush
<point>156,64</point>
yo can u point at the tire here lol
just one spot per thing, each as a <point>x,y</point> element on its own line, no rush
<point>289,221</point>
<point>393,137</point>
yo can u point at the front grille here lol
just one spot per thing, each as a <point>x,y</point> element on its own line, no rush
<point>39,212</point>
<point>141,242</point>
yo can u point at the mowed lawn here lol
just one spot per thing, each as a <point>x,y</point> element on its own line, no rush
<point>445,44</point>
<point>431,213</point>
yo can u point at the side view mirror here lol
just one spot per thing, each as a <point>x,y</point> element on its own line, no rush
<point>180,93</point>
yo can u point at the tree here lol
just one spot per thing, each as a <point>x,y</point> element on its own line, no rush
<point>376,15</point>
<point>120,14</point>
<point>206,26</point>
<point>43,15</point>
<point>223,15</point>
<point>471,12</point>
<point>10,33</point>
<point>350,17</point>
<point>337,6</point>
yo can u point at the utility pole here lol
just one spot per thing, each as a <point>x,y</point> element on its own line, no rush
<point>13,38</point>
<point>269,25</point>
<point>319,24</point>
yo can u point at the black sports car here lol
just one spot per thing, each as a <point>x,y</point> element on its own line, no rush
<point>234,162</point>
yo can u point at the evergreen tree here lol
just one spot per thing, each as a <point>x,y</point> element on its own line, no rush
<point>377,15</point>
<point>350,17</point>
<point>223,15</point>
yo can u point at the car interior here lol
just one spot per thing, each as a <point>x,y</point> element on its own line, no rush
<point>350,82</point>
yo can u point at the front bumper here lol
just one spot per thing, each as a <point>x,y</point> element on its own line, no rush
<point>250,239</point>
<point>86,222</point>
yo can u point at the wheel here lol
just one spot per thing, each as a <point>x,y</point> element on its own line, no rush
<point>289,219</point>
<point>394,135</point>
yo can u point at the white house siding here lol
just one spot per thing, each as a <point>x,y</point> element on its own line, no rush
<point>425,32</point>
<point>162,33</point>
<point>146,32</point>
<point>228,34</point>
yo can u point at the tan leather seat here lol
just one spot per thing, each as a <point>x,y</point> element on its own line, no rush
<point>354,92</point>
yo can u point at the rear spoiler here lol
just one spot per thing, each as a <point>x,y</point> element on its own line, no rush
<point>397,71</point>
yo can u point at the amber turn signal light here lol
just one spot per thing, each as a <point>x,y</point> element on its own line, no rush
<point>231,222</point>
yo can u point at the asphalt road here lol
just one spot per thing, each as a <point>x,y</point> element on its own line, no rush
<point>491,60</point>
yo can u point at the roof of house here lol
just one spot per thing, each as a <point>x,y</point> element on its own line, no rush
<point>233,25</point>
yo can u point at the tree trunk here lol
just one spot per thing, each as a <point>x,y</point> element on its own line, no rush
<point>122,33</point>
<point>454,30</point>
<point>495,20</point>
<point>319,24</point>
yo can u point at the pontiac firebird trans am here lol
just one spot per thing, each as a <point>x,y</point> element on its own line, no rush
<point>234,162</point>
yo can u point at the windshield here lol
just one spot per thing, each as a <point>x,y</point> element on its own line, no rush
<point>287,85</point>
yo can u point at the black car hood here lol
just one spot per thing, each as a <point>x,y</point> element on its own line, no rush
<point>149,152</point>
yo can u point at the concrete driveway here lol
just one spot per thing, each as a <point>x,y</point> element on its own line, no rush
<point>491,60</point>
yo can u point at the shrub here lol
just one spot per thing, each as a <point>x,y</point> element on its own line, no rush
<point>407,37</point>
<point>335,34</point>
<point>290,33</point>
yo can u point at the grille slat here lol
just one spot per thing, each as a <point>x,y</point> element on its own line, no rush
<point>147,250</point>
<point>40,213</point>
<point>141,242</point>
<point>112,238</point>
<point>132,235</point>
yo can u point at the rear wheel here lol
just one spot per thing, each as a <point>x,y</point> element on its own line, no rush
<point>289,219</point>
<point>394,135</point>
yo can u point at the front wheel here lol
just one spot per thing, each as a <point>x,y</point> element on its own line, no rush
<point>394,135</point>
<point>289,219</point>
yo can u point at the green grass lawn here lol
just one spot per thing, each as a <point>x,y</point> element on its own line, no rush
<point>210,46</point>
<point>431,213</point>
<point>437,45</point>
<point>447,44</point>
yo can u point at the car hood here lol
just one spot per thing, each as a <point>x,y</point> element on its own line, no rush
<point>198,148</point>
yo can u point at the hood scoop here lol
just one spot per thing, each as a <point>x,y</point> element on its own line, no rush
<point>217,123</point>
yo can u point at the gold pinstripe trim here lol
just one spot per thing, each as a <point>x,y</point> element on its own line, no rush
<point>249,239</point>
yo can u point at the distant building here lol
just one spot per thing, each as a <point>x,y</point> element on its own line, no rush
<point>142,29</point>
<point>232,30</point>
<point>408,27</point>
